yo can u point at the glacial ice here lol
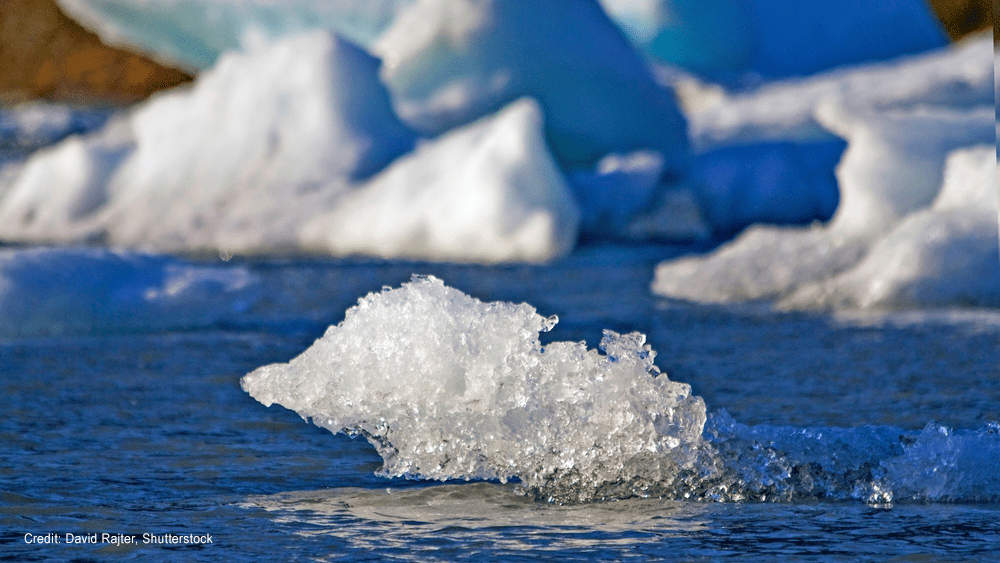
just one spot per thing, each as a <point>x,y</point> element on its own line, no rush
<point>60,291</point>
<point>946,254</point>
<point>229,167</point>
<point>448,62</point>
<point>447,387</point>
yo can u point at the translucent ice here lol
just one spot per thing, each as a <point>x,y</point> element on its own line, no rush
<point>448,387</point>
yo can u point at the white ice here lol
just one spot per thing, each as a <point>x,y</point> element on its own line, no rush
<point>298,164</point>
<point>487,192</point>
<point>445,386</point>
<point>900,125</point>
<point>448,387</point>
<point>60,291</point>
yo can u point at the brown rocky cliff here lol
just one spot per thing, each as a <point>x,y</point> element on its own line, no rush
<point>46,55</point>
<point>962,17</point>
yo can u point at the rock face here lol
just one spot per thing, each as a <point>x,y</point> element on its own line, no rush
<point>962,17</point>
<point>46,55</point>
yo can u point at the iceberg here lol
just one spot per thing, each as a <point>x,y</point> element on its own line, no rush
<point>448,62</point>
<point>313,161</point>
<point>904,123</point>
<point>62,291</point>
<point>947,254</point>
<point>775,37</point>
<point>194,34</point>
<point>226,164</point>
<point>488,192</point>
<point>768,155</point>
<point>893,167</point>
<point>958,76</point>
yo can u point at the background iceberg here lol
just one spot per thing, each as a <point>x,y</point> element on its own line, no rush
<point>771,37</point>
<point>448,62</point>
<point>487,192</point>
<point>899,135</point>
<point>776,37</point>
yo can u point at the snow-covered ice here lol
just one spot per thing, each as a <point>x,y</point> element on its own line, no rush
<point>901,123</point>
<point>225,164</point>
<point>944,255</point>
<point>487,192</point>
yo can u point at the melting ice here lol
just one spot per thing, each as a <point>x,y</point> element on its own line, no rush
<point>445,386</point>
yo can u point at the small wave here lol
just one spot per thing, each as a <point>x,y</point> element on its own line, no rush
<point>448,387</point>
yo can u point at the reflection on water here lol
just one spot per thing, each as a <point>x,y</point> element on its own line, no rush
<point>473,520</point>
<point>476,512</point>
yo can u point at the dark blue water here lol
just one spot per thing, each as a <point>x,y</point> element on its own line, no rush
<point>150,433</point>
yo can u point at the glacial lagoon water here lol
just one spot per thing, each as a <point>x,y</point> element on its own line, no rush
<point>148,432</point>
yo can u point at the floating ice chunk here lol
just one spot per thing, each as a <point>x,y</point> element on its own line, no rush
<point>47,291</point>
<point>448,387</point>
<point>195,33</point>
<point>892,168</point>
<point>237,162</point>
<point>775,37</point>
<point>487,192</point>
<point>945,255</point>
<point>449,62</point>
<point>762,263</point>
<point>959,76</point>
